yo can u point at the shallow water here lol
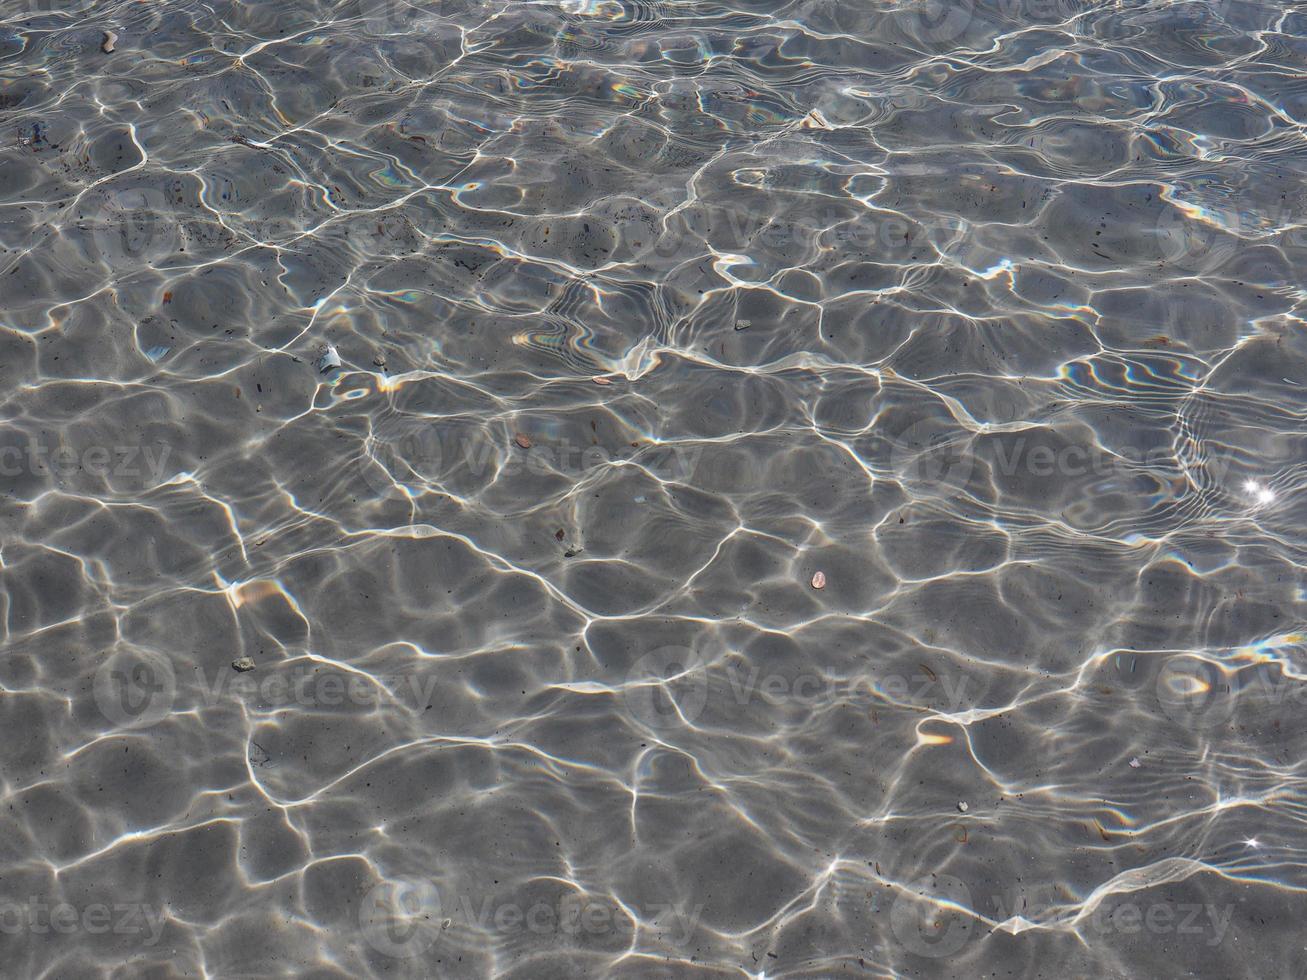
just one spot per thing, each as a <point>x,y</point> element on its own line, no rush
<point>649,311</point>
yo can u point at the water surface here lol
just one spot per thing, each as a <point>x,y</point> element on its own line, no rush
<point>647,312</point>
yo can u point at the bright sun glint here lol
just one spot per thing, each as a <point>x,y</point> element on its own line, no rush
<point>1263,495</point>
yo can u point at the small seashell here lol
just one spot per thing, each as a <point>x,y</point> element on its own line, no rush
<point>330,359</point>
<point>601,381</point>
<point>1134,763</point>
<point>522,440</point>
<point>110,38</point>
<point>243,664</point>
<point>819,580</point>
<point>963,807</point>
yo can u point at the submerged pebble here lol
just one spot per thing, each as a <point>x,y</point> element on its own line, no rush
<point>819,580</point>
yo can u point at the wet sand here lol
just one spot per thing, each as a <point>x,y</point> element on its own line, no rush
<point>794,490</point>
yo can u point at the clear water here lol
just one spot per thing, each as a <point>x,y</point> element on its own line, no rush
<point>808,489</point>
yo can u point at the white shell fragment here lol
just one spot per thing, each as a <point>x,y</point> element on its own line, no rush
<point>330,359</point>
